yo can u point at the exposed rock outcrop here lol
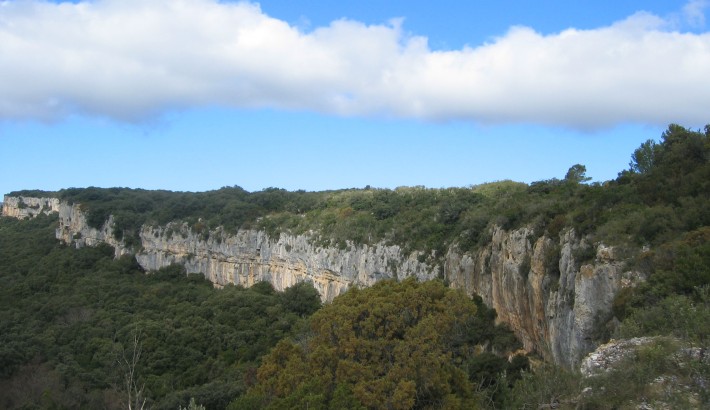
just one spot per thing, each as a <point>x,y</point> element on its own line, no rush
<point>607,356</point>
<point>251,256</point>
<point>22,207</point>
<point>74,229</point>
<point>665,373</point>
<point>553,302</point>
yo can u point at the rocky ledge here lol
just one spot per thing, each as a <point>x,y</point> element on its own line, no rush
<point>554,302</point>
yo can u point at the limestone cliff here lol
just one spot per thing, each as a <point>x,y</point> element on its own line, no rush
<point>22,207</point>
<point>552,301</point>
<point>73,229</point>
<point>251,256</point>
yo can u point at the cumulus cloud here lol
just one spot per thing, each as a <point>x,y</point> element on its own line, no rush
<point>133,59</point>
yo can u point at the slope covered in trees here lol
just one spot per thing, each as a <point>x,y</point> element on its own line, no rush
<point>72,313</point>
<point>74,319</point>
<point>392,346</point>
<point>83,330</point>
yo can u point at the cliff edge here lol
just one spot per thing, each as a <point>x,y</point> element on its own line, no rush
<point>553,302</point>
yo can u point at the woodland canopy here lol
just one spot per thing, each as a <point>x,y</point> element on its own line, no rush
<point>69,316</point>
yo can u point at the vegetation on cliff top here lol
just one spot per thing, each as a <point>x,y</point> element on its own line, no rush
<point>657,208</point>
<point>663,194</point>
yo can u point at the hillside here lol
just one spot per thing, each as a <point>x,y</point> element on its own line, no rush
<point>567,264</point>
<point>81,329</point>
<point>76,322</point>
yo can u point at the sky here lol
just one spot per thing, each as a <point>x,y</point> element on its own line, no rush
<point>194,95</point>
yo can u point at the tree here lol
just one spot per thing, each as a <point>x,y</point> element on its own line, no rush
<point>577,174</point>
<point>128,362</point>
<point>301,298</point>
<point>394,345</point>
<point>193,405</point>
<point>643,159</point>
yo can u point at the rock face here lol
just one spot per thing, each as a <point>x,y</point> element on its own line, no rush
<point>553,304</point>
<point>22,207</point>
<point>251,256</point>
<point>608,355</point>
<point>73,228</point>
<point>551,301</point>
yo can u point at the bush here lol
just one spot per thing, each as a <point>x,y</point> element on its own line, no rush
<point>394,345</point>
<point>659,373</point>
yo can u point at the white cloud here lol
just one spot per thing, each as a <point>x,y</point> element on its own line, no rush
<point>132,59</point>
<point>694,12</point>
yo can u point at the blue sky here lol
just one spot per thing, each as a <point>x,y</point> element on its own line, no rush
<point>194,95</point>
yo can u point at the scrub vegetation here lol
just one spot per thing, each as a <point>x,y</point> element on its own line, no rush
<point>73,319</point>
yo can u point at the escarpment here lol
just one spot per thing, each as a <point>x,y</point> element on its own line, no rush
<point>22,207</point>
<point>251,256</point>
<point>554,302</point>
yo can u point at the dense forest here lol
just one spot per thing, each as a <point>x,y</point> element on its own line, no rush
<point>83,330</point>
<point>74,321</point>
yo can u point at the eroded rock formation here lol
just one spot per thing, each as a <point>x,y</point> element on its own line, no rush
<point>27,207</point>
<point>553,302</point>
<point>251,256</point>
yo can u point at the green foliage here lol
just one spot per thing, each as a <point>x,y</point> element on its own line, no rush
<point>659,203</point>
<point>193,405</point>
<point>548,386</point>
<point>394,345</point>
<point>643,159</point>
<point>577,174</point>
<point>684,317</point>
<point>302,299</point>
<point>36,193</point>
<point>680,267</point>
<point>664,193</point>
<point>659,373</point>
<point>70,314</point>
